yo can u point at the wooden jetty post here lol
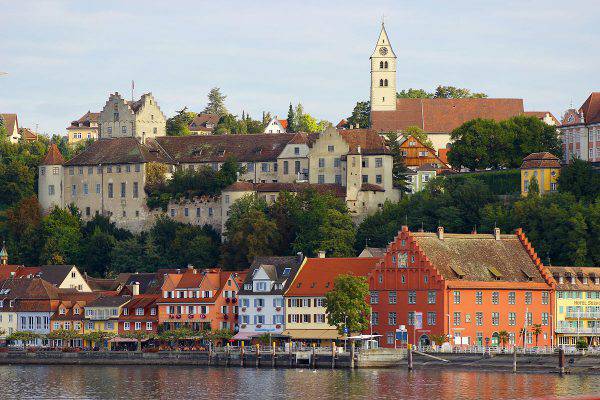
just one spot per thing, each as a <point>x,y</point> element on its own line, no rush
<point>410,357</point>
<point>291,358</point>
<point>227,355</point>
<point>257,355</point>
<point>314,356</point>
<point>242,355</point>
<point>515,359</point>
<point>332,355</point>
<point>561,360</point>
<point>351,353</point>
<point>273,354</point>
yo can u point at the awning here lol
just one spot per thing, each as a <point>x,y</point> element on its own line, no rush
<point>330,334</point>
<point>243,336</point>
<point>125,340</point>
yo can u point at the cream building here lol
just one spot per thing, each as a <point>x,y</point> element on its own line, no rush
<point>141,119</point>
<point>383,74</point>
<point>84,128</point>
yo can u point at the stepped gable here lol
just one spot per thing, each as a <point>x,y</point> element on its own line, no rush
<point>534,257</point>
<point>443,115</point>
<point>219,148</point>
<point>370,142</point>
<point>53,157</point>
<point>540,160</point>
<point>479,257</point>
<point>127,150</point>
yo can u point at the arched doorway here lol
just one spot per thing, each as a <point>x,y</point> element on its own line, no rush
<point>424,341</point>
<point>495,339</point>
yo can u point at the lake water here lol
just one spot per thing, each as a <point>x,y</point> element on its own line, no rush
<point>173,382</point>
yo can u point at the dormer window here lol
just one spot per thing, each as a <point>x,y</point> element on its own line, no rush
<point>62,311</point>
<point>584,280</point>
<point>76,311</point>
<point>561,279</point>
<point>596,281</point>
<point>572,280</point>
<point>248,286</point>
<point>261,286</point>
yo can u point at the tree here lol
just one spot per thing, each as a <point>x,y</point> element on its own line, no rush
<point>61,232</point>
<point>414,94</point>
<point>291,120</point>
<point>472,144</point>
<point>178,125</point>
<point>23,225</point>
<point>98,337</point>
<point>216,102</point>
<point>337,232</point>
<point>306,123</point>
<point>503,337</point>
<point>418,134</point>
<point>23,336</point>
<point>536,329</point>
<point>534,188</point>
<point>346,304</point>
<point>451,92</point>
<point>298,113</point>
<point>95,253</point>
<point>155,175</point>
<point>580,179</point>
<point>136,254</point>
<point>361,115</point>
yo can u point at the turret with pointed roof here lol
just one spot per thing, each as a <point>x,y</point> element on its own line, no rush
<point>383,74</point>
<point>50,182</point>
<point>53,157</point>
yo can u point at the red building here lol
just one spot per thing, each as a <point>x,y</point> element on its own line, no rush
<point>140,314</point>
<point>467,287</point>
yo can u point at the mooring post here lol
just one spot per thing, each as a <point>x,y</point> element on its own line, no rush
<point>314,356</point>
<point>242,355</point>
<point>227,355</point>
<point>515,359</point>
<point>352,354</point>
<point>273,355</point>
<point>257,354</point>
<point>333,355</point>
<point>561,360</point>
<point>410,357</point>
<point>291,360</point>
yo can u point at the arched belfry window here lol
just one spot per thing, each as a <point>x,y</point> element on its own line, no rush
<point>381,64</point>
<point>381,82</point>
<point>385,82</point>
<point>385,65</point>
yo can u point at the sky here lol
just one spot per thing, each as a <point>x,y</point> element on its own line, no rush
<point>63,58</point>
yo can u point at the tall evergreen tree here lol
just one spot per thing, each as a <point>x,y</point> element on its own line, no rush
<point>291,118</point>
<point>216,102</point>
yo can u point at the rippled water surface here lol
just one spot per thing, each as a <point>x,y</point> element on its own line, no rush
<point>170,382</point>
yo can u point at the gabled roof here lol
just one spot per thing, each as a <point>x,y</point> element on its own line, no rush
<point>28,134</point>
<point>276,268</point>
<point>283,123</point>
<point>368,140</point>
<point>443,115</point>
<point>53,157</point>
<point>578,273</point>
<point>591,108</point>
<point>317,275</point>
<point>102,284</point>
<point>202,120</point>
<point>479,257</point>
<point>55,274</point>
<point>11,122</point>
<point>540,160</point>
<point>85,121</point>
<point>219,148</point>
<point>377,252</point>
<point>148,281</point>
<point>541,115</point>
<point>126,150</point>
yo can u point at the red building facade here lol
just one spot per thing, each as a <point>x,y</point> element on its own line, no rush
<point>466,287</point>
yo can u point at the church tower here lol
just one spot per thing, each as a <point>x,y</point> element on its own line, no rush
<point>383,74</point>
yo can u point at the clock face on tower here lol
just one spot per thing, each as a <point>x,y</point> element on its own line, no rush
<point>383,51</point>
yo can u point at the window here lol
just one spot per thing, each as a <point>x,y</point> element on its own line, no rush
<point>296,167</point>
<point>527,297</point>
<point>545,318</point>
<point>392,297</point>
<point>545,297</point>
<point>51,190</point>
<point>55,170</point>
<point>138,326</point>
<point>264,167</point>
<point>338,179</point>
<point>110,190</point>
<point>478,297</point>
<point>250,167</point>
<point>431,318</point>
<point>512,318</point>
<point>139,311</point>
<point>412,297</point>
<point>42,170</point>
<point>97,188</point>
<point>511,297</point>
<point>74,190</point>
<point>365,163</point>
<point>495,297</point>
<point>365,179</point>
<point>135,190</point>
<point>85,189</point>
<point>529,317</point>
<point>337,162</point>
<point>149,325</point>
<point>392,318</point>
<point>296,150</point>
<point>285,167</point>
<point>378,179</point>
<point>71,170</point>
<point>479,319</point>
<point>374,297</point>
<point>456,297</point>
<point>123,187</point>
<point>321,178</point>
<point>126,326</point>
<point>456,318</point>
<point>321,163</point>
<point>374,318</point>
<point>495,318</point>
<point>378,162</point>
<point>431,297</point>
<point>186,212</point>
<point>330,148</point>
<point>381,82</point>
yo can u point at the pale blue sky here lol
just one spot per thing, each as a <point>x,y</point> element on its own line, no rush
<point>65,57</point>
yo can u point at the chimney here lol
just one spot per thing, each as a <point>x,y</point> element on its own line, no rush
<point>135,288</point>
<point>190,267</point>
<point>440,232</point>
<point>299,256</point>
<point>321,253</point>
<point>497,233</point>
<point>358,149</point>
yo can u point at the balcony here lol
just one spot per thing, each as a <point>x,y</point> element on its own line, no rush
<point>581,331</point>
<point>583,315</point>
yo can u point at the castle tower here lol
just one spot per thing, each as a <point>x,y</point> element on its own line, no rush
<point>383,74</point>
<point>51,176</point>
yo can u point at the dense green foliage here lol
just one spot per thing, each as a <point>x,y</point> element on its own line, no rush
<point>483,143</point>
<point>361,115</point>
<point>216,102</point>
<point>441,92</point>
<point>230,124</point>
<point>563,227</point>
<point>178,125</point>
<point>503,182</point>
<point>299,121</point>
<point>399,169</point>
<point>305,222</point>
<point>188,184</point>
<point>347,304</point>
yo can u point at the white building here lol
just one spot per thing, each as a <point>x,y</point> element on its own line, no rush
<point>262,307</point>
<point>276,126</point>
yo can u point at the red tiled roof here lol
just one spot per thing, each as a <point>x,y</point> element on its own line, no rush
<point>342,124</point>
<point>10,122</point>
<point>53,157</point>
<point>85,121</point>
<point>126,150</point>
<point>283,123</point>
<point>443,155</point>
<point>28,134</point>
<point>316,277</point>
<point>541,115</point>
<point>443,115</point>
<point>540,160</point>
<point>202,120</point>
<point>591,109</point>
<point>304,138</point>
<point>368,140</point>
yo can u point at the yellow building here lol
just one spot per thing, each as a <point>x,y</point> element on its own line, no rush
<point>84,128</point>
<point>103,314</point>
<point>577,305</point>
<point>544,167</point>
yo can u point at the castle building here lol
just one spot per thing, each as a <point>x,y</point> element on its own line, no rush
<point>51,177</point>
<point>141,119</point>
<point>580,131</point>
